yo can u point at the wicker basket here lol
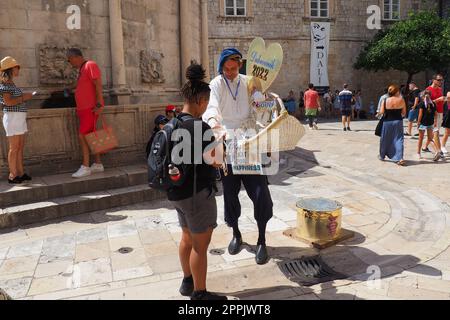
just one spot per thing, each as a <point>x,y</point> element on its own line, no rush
<point>282,134</point>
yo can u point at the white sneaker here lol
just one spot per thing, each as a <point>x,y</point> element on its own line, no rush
<point>82,172</point>
<point>444,150</point>
<point>315,126</point>
<point>419,157</point>
<point>97,168</point>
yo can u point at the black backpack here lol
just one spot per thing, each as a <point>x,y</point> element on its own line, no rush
<point>160,158</point>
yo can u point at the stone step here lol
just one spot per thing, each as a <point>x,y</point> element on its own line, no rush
<point>20,215</point>
<point>63,185</point>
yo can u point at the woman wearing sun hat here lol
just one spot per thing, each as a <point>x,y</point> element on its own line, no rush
<point>12,101</point>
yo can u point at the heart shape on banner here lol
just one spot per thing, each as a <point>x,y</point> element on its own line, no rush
<point>264,63</point>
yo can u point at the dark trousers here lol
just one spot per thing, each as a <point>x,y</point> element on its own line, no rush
<point>312,120</point>
<point>257,188</point>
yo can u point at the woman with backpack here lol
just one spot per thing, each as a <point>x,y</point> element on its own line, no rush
<point>194,189</point>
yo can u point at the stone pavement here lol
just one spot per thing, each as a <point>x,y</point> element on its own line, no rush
<point>401,217</point>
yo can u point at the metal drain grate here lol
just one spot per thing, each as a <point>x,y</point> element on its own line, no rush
<point>309,271</point>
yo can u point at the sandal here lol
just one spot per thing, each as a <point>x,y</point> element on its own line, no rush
<point>401,163</point>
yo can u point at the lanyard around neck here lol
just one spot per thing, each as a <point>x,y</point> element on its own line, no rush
<point>229,88</point>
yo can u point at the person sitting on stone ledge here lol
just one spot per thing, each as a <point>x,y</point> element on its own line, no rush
<point>160,122</point>
<point>171,112</point>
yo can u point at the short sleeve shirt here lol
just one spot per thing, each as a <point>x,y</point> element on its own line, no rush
<point>412,97</point>
<point>15,92</point>
<point>85,93</point>
<point>345,98</point>
<point>206,174</point>
<point>311,97</point>
<point>436,93</point>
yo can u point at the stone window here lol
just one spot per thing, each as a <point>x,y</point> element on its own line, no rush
<point>235,8</point>
<point>391,9</point>
<point>319,8</point>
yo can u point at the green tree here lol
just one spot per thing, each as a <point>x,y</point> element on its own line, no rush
<point>413,45</point>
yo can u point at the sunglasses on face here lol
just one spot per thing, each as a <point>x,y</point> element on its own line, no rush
<point>440,80</point>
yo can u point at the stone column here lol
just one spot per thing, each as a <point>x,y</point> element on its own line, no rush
<point>117,53</point>
<point>205,38</point>
<point>185,37</point>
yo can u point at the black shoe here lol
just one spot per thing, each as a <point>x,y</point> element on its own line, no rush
<point>345,129</point>
<point>235,246</point>
<point>205,295</point>
<point>187,287</point>
<point>16,180</point>
<point>426,150</point>
<point>26,177</point>
<point>348,129</point>
<point>262,257</point>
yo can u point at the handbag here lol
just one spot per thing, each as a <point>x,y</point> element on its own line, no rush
<point>379,127</point>
<point>103,140</point>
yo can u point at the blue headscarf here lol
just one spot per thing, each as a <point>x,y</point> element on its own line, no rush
<point>225,55</point>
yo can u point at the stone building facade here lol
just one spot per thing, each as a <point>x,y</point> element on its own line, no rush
<point>142,47</point>
<point>137,44</point>
<point>288,22</point>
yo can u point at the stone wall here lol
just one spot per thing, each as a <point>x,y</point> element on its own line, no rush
<point>35,33</point>
<point>288,23</point>
<point>52,142</point>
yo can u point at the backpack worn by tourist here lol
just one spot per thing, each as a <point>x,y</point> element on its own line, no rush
<point>163,174</point>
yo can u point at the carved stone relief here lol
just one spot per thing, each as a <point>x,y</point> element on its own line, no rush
<point>151,67</point>
<point>54,68</point>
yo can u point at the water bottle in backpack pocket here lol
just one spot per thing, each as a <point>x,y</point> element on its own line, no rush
<point>163,174</point>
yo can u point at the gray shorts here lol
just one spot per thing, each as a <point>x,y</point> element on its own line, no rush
<point>203,217</point>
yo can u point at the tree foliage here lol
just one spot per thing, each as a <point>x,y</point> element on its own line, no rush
<point>413,45</point>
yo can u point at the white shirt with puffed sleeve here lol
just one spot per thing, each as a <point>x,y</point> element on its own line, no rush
<point>223,110</point>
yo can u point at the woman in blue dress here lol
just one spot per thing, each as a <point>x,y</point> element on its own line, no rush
<point>392,135</point>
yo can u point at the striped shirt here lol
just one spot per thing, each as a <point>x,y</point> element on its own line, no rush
<point>15,92</point>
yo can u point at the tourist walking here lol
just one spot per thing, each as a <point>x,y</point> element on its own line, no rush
<point>312,106</point>
<point>345,99</point>
<point>425,121</point>
<point>446,126</point>
<point>437,96</point>
<point>413,102</point>
<point>392,135</point>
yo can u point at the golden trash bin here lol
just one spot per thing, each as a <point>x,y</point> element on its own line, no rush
<point>319,219</point>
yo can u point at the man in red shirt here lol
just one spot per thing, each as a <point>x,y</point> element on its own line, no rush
<point>312,106</point>
<point>90,104</point>
<point>437,95</point>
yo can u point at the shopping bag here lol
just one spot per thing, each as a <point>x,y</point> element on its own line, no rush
<point>103,140</point>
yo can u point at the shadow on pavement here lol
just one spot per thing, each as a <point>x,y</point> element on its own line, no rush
<point>357,264</point>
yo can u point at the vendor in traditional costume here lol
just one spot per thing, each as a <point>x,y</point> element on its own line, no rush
<point>229,107</point>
